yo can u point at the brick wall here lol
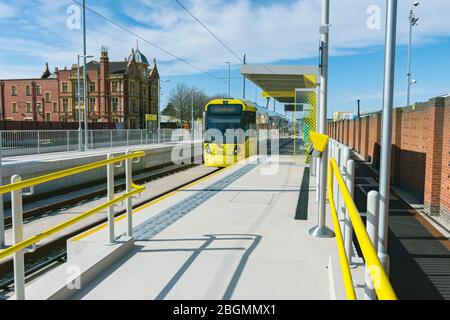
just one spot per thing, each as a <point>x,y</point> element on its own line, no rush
<point>445,174</point>
<point>420,149</point>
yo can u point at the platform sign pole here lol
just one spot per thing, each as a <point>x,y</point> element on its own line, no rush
<point>321,230</point>
<point>386,134</point>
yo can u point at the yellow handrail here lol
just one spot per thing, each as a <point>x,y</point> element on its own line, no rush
<point>346,274</point>
<point>45,234</point>
<point>66,173</point>
<point>380,280</point>
<point>58,175</point>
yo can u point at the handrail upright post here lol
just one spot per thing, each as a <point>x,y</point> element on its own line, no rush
<point>129,181</point>
<point>372,229</point>
<point>348,231</point>
<point>110,182</point>
<point>17,225</point>
<point>344,157</point>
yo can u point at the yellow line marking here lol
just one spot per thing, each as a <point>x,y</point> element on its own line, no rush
<point>147,205</point>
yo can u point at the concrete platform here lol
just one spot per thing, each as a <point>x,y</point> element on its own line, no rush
<point>231,236</point>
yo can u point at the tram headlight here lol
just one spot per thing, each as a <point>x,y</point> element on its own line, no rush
<point>237,150</point>
<point>208,149</point>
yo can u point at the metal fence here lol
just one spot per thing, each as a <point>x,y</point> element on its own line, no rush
<point>16,143</point>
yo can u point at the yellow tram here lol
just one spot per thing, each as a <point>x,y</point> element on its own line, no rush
<point>231,130</point>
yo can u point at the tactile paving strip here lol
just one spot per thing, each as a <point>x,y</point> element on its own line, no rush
<point>155,225</point>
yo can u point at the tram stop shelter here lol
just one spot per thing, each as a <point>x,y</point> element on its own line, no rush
<point>293,85</point>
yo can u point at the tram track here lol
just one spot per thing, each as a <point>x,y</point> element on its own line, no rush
<point>157,173</point>
<point>53,253</point>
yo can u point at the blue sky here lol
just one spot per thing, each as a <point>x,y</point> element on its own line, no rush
<point>276,32</point>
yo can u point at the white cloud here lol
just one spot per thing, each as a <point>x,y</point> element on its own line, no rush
<point>6,11</point>
<point>267,32</point>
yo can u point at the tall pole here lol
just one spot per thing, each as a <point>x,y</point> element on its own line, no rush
<point>386,135</point>
<point>192,115</point>
<point>359,108</point>
<point>86,104</point>
<point>245,62</point>
<point>408,73</point>
<point>229,79</point>
<point>159,110</point>
<point>321,230</point>
<point>80,136</point>
<point>412,22</point>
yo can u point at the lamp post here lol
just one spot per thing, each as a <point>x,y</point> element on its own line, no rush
<point>194,91</point>
<point>79,100</point>
<point>412,22</point>
<point>359,108</point>
<point>86,117</point>
<point>244,89</point>
<point>229,78</point>
<point>159,107</point>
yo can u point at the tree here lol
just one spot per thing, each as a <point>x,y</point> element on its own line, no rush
<point>170,110</point>
<point>180,102</point>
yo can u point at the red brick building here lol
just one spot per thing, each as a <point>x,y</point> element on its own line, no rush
<point>118,91</point>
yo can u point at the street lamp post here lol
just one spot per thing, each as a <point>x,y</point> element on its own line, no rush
<point>412,22</point>
<point>194,91</point>
<point>159,107</point>
<point>229,79</point>
<point>80,136</point>
<point>86,105</point>
<point>359,108</point>
<point>80,143</point>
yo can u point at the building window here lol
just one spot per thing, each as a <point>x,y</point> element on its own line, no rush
<point>14,107</point>
<point>65,104</point>
<point>39,106</point>
<point>115,104</point>
<point>133,105</point>
<point>14,90</point>
<point>38,90</point>
<point>48,97</point>
<point>48,117</point>
<point>115,86</point>
<point>65,87</point>
<point>29,110</point>
<point>91,86</point>
<point>92,102</point>
<point>28,90</point>
<point>55,107</point>
<point>132,87</point>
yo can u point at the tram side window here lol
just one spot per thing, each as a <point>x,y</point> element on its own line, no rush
<point>249,120</point>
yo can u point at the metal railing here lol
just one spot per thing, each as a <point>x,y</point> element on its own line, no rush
<point>346,217</point>
<point>20,246</point>
<point>22,142</point>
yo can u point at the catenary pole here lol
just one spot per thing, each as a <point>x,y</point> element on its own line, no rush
<point>321,230</point>
<point>386,134</point>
